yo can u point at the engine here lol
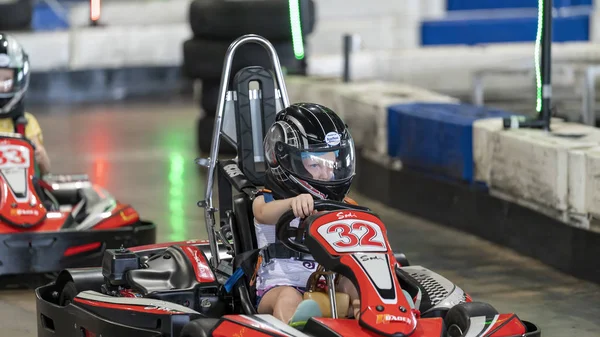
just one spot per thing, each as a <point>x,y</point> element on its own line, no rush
<point>180,274</point>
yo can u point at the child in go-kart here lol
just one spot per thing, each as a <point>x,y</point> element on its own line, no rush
<point>310,154</point>
<point>14,81</point>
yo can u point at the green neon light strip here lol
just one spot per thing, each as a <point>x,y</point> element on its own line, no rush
<point>296,25</point>
<point>176,197</point>
<point>538,42</point>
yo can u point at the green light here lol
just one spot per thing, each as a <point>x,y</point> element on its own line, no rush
<point>538,41</point>
<point>296,25</point>
<point>176,197</point>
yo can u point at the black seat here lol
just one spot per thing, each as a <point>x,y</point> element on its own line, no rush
<point>245,174</point>
<point>244,233</point>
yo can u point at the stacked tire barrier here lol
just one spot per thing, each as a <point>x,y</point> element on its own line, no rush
<point>16,14</point>
<point>216,23</point>
<point>534,191</point>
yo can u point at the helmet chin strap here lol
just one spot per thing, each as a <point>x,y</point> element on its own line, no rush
<point>11,104</point>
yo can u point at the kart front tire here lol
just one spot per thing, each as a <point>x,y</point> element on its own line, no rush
<point>67,294</point>
<point>458,318</point>
<point>201,327</point>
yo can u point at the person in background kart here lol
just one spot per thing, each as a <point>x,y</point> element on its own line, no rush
<point>309,154</point>
<point>14,81</point>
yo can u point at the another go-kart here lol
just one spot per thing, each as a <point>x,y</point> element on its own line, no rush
<point>64,221</point>
<point>204,288</point>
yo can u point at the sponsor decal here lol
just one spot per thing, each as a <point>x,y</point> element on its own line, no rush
<point>160,308</point>
<point>365,258</point>
<point>232,170</point>
<point>345,215</point>
<point>19,212</point>
<point>202,267</point>
<point>386,318</point>
<point>241,333</point>
<point>332,139</point>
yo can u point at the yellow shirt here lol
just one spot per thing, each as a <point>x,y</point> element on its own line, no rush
<point>32,129</point>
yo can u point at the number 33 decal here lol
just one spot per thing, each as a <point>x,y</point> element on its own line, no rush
<point>12,156</point>
<point>349,237</point>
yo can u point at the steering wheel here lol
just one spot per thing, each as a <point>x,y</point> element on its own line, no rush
<point>291,237</point>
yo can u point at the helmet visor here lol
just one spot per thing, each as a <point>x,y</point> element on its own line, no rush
<point>327,164</point>
<point>7,80</point>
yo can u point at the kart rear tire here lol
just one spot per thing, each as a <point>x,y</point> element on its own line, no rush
<point>210,97</point>
<point>203,59</point>
<point>228,20</point>
<point>67,294</point>
<point>458,317</point>
<point>204,137</point>
<point>16,15</point>
<point>201,327</point>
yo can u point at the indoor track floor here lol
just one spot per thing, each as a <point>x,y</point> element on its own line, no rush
<point>144,154</point>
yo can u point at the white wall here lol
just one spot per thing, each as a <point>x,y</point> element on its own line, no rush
<point>381,24</point>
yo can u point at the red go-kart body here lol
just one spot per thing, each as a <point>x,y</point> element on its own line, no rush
<point>176,292</point>
<point>65,221</point>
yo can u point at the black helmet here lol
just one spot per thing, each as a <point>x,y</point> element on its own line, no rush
<point>14,76</point>
<point>309,150</point>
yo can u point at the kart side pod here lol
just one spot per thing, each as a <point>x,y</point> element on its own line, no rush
<point>342,300</point>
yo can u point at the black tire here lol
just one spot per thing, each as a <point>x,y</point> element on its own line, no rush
<point>204,137</point>
<point>16,15</point>
<point>203,59</point>
<point>67,293</point>
<point>458,318</point>
<point>402,259</point>
<point>228,20</point>
<point>210,94</point>
<point>201,327</point>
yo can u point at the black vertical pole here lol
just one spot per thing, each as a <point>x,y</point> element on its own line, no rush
<point>543,119</point>
<point>546,64</point>
<point>347,50</point>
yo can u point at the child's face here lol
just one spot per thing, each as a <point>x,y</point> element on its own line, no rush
<point>320,165</point>
<point>6,80</point>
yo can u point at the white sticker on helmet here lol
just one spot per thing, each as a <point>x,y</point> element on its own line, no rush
<point>332,139</point>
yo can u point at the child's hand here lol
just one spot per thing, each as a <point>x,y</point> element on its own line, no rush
<point>303,205</point>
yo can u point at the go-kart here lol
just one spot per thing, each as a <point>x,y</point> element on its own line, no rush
<point>63,221</point>
<point>205,288</point>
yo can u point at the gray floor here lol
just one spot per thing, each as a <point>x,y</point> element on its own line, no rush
<point>144,154</point>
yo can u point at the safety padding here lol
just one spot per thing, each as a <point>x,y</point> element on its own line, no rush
<point>436,137</point>
<point>554,173</point>
<point>365,110</point>
<point>471,29</point>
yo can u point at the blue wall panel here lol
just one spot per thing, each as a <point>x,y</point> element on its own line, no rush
<point>436,138</point>
<point>454,5</point>
<point>497,30</point>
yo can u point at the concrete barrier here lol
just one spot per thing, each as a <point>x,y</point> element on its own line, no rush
<point>363,105</point>
<point>365,110</point>
<point>322,90</point>
<point>552,173</point>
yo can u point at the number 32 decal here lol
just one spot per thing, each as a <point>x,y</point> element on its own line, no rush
<point>354,236</point>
